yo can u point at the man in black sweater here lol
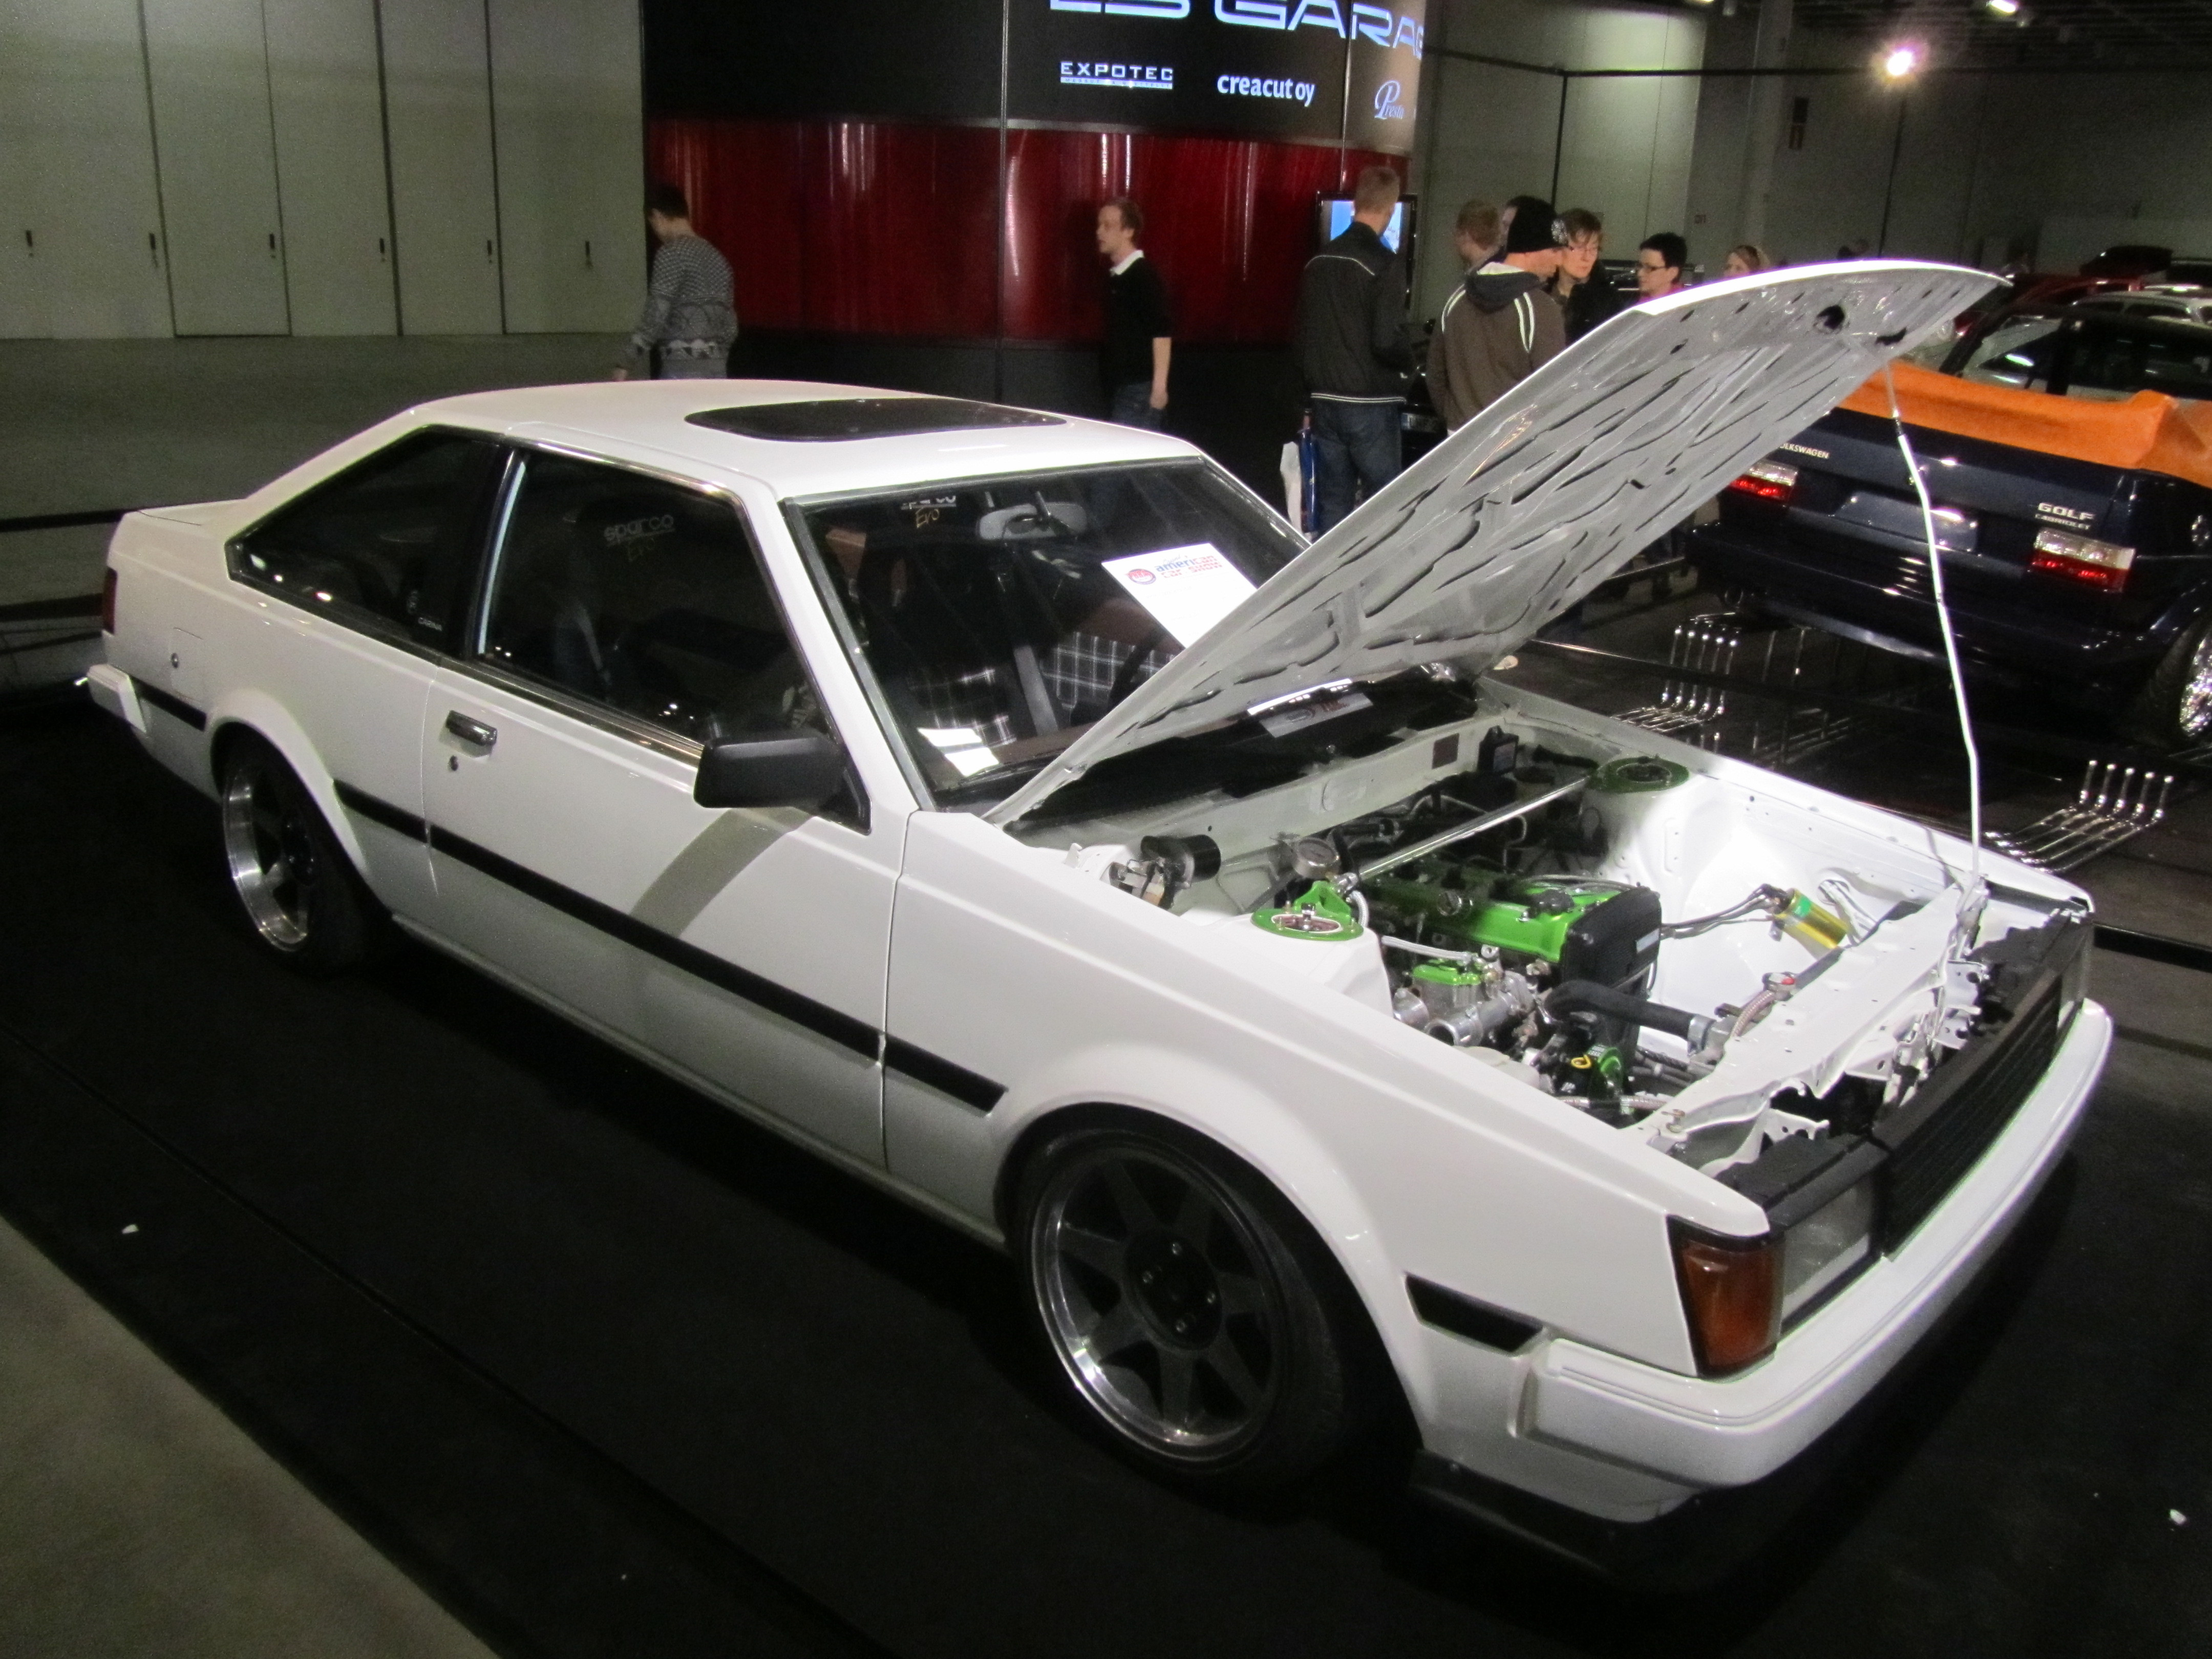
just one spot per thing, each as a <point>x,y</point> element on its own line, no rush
<point>1353,351</point>
<point>1139,332</point>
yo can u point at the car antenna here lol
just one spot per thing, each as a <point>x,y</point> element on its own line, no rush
<point>1943,621</point>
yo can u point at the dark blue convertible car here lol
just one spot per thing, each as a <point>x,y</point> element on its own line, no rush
<point>2068,454</point>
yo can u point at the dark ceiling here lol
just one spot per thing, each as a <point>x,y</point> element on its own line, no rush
<point>2077,33</point>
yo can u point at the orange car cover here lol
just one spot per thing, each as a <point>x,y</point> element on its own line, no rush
<point>2149,432</point>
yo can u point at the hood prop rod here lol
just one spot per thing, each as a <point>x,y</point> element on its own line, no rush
<point>1444,838</point>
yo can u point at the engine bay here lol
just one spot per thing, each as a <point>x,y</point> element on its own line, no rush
<point>1607,926</point>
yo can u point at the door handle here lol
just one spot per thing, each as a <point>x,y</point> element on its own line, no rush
<point>471,732</point>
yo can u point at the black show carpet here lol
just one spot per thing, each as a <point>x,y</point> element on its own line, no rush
<point>614,1374</point>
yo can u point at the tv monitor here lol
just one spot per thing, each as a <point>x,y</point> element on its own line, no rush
<point>1336,214</point>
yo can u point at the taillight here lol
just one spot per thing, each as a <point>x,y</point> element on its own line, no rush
<point>107,601</point>
<point>1731,1295</point>
<point>2096,564</point>
<point>1768,481</point>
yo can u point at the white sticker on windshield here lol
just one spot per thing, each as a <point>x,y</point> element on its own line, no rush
<point>1186,589</point>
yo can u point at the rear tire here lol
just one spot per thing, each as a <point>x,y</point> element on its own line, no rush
<point>295,882</point>
<point>1194,1313</point>
<point>2174,709</point>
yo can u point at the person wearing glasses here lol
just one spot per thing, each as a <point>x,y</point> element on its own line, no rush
<point>1660,262</point>
<point>1587,298</point>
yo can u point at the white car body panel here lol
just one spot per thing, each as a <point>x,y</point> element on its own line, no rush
<point>1002,981</point>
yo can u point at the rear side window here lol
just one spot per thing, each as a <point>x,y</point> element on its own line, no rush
<point>390,545</point>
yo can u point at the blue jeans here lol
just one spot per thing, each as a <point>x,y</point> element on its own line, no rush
<point>1132,406</point>
<point>1353,443</point>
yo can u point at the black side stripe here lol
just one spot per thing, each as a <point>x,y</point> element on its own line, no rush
<point>942,1075</point>
<point>859,1035</point>
<point>384,812</point>
<point>1463,1315</point>
<point>170,705</point>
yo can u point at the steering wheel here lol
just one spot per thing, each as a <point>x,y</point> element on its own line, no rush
<point>1125,678</point>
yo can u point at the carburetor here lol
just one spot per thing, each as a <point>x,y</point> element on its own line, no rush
<point>1465,1003</point>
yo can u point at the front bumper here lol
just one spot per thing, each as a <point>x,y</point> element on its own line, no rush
<point>1699,1433</point>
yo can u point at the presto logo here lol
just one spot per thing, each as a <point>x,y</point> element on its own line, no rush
<point>1387,106</point>
<point>1377,25</point>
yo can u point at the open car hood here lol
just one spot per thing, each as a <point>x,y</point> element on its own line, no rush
<point>1545,494</point>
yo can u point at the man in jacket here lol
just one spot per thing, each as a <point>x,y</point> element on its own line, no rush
<point>1353,352</point>
<point>1500,325</point>
<point>1587,298</point>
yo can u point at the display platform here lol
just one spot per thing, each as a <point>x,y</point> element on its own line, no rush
<point>613,1372</point>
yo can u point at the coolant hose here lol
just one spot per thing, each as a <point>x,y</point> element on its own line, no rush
<point>1587,996</point>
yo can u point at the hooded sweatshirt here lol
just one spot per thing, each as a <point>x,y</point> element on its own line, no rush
<point>1499,326</point>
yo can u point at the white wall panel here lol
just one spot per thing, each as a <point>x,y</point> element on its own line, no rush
<point>1628,141</point>
<point>565,90</point>
<point>78,88</point>
<point>328,119</point>
<point>23,305</point>
<point>209,73</point>
<point>444,191</point>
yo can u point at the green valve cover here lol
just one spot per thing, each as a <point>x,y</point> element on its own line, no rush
<point>1535,921</point>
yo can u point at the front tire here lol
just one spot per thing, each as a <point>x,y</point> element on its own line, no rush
<point>2174,709</point>
<point>293,880</point>
<point>1193,1312</point>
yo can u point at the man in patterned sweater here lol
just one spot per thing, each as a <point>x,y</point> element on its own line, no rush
<point>689,316</point>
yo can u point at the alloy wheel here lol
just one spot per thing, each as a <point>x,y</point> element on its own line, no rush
<point>1158,1300</point>
<point>269,840</point>
<point>2194,716</point>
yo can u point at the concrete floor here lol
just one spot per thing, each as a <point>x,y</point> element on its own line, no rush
<point>136,1519</point>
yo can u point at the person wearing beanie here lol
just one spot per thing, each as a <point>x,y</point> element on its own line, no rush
<point>1500,325</point>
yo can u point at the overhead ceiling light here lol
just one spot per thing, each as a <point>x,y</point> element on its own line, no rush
<point>2003,7</point>
<point>1902,61</point>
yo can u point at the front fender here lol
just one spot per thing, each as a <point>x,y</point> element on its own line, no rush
<point>1220,1106</point>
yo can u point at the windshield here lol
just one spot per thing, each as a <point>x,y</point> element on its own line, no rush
<point>1002,616</point>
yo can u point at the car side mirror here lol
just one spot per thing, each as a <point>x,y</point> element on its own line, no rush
<point>786,768</point>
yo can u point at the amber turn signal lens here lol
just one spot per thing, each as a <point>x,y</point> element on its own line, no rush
<point>1731,1294</point>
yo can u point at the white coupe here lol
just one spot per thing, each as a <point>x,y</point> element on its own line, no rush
<point>1016,810</point>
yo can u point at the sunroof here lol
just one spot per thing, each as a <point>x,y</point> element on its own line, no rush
<point>834,420</point>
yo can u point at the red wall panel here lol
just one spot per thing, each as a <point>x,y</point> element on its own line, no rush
<point>858,227</point>
<point>848,227</point>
